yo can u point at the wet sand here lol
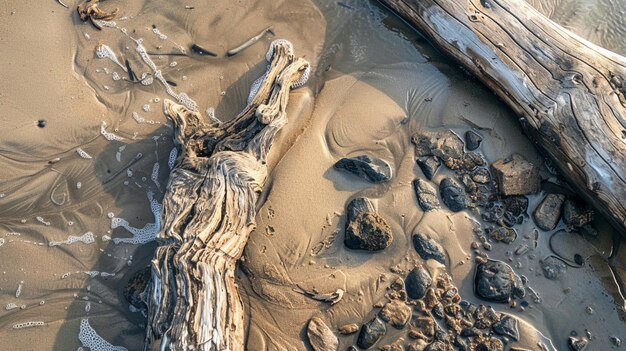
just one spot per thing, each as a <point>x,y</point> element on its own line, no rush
<point>106,144</point>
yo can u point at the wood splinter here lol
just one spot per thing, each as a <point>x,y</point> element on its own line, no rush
<point>209,211</point>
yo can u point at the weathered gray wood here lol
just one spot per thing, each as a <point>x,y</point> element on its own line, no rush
<point>209,211</point>
<point>568,92</point>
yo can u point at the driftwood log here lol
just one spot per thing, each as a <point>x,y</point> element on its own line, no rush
<point>209,211</point>
<point>568,92</point>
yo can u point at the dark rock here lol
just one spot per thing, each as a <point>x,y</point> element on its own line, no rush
<point>396,313</point>
<point>577,344</point>
<point>41,123</point>
<point>495,281</point>
<point>453,195</point>
<point>365,228</point>
<point>471,161</point>
<point>445,145</point>
<point>426,195</point>
<point>507,326</point>
<point>487,343</point>
<point>371,332</point>
<point>135,290</point>
<point>576,214</point>
<point>481,176</point>
<point>352,348</point>
<point>470,331</point>
<point>371,169</point>
<point>438,311</point>
<point>472,140</point>
<point>428,248</point>
<point>553,268</point>
<point>503,234</point>
<point>320,336</point>
<point>417,282</point>
<point>548,212</point>
<point>516,176</point>
<point>429,166</point>
<point>439,346</point>
<point>516,205</point>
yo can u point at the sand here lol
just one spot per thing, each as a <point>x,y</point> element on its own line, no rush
<point>376,83</point>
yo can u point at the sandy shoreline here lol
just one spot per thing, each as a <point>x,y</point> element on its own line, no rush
<point>375,85</point>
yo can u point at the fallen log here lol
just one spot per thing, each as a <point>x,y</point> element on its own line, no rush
<point>568,92</point>
<point>209,211</point>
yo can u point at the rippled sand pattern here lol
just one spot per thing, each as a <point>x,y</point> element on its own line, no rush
<point>83,150</point>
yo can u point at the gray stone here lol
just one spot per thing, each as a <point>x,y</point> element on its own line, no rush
<point>485,317</point>
<point>577,344</point>
<point>426,195</point>
<point>429,166</point>
<point>515,205</point>
<point>396,313</point>
<point>428,248</point>
<point>370,333</point>
<point>417,282</point>
<point>439,346</point>
<point>503,234</point>
<point>507,326</point>
<point>553,268</point>
<point>371,169</point>
<point>576,213</point>
<point>446,145</point>
<point>365,228</point>
<point>548,212</point>
<point>472,140</point>
<point>496,281</point>
<point>516,176</point>
<point>320,336</point>
<point>481,176</point>
<point>453,195</point>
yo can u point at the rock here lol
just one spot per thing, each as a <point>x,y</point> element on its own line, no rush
<point>426,195</point>
<point>576,214</point>
<point>470,162</point>
<point>348,329</point>
<point>453,195</point>
<point>495,281</point>
<point>548,212</point>
<point>439,346</point>
<point>577,344</point>
<point>417,282</point>
<point>503,234</point>
<point>365,228</point>
<point>352,348</point>
<point>485,317</point>
<point>428,248</point>
<point>515,205</point>
<point>516,176</point>
<point>553,268</point>
<point>423,327</point>
<point>419,345</point>
<point>507,326</point>
<point>135,290</point>
<point>487,343</point>
<point>472,140</point>
<point>445,145</point>
<point>320,336</point>
<point>371,332</point>
<point>396,313</point>
<point>370,169</point>
<point>429,166</point>
<point>481,176</point>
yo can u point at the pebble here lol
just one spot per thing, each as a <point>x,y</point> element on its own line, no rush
<point>428,248</point>
<point>577,344</point>
<point>472,140</point>
<point>495,281</point>
<point>453,195</point>
<point>396,313</point>
<point>348,329</point>
<point>548,213</point>
<point>516,176</point>
<point>426,195</point>
<point>370,333</point>
<point>507,326</point>
<point>365,228</point>
<point>429,166</point>
<point>417,282</point>
<point>576,213</point>
<point>320,336</point>
<point>367,168</point>
<point>503,234</point>
<point>553,268</point>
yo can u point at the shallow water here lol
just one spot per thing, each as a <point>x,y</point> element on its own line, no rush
<point>376,83</point>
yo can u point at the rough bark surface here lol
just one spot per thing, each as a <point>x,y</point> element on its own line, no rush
<point>568,92</point>
<point>209,211</point>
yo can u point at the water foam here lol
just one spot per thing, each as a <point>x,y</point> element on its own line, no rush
<point>107,135</point>
<point>140,235</point>
<point>82,153</point>
<point>86,238</point>
<point>89,338</point>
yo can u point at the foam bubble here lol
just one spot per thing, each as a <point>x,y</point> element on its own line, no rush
<point>41,220</point>
<point>86,238</point>
<point>155,174</point>
<point>10,306</point>
<point>89,338</point>
<point>29,324</point>
<point>171,161</point>
<point>140,235</point>
<point>108,136</point>
<point>18,292</point>
<point>83,154</point>
<point>2,241</point>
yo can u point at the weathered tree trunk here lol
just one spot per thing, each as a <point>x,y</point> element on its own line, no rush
<point>568,92</point>
<point>209,212</point>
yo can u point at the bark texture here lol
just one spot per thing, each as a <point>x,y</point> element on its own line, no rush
<point>568,92</point>
<point>209,211</point>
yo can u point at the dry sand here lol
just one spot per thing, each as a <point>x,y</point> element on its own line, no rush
<point>377,83</point>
